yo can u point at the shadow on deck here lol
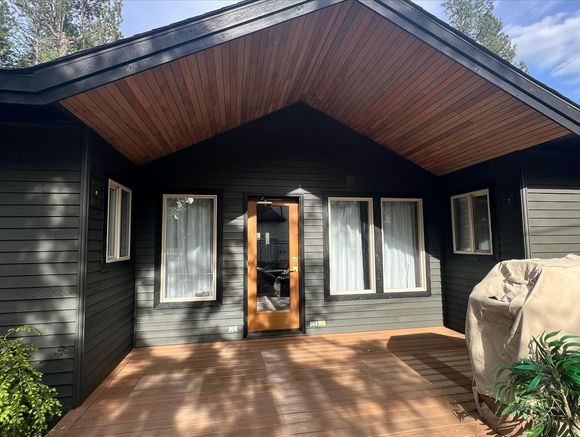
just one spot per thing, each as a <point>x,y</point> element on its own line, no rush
<point>414,382</point>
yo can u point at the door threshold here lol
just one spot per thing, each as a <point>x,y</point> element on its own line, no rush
<point>277,333</point>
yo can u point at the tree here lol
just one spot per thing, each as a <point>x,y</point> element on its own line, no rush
<point>47,29</point>
<point>6,24</point>
<point>93,32</point>
<point>476,19</point>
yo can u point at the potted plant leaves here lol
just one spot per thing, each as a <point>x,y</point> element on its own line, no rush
<point>543,390</point>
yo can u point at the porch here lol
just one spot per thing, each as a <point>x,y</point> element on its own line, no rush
<point>411,382</point>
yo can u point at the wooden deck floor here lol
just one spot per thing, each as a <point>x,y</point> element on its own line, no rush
<point>404,383</point>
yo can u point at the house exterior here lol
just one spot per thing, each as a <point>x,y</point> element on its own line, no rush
<point>273,168</point>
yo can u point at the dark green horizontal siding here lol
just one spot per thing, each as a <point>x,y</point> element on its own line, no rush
<point>39,232</point>
<point>553,198</point>
<point>462,272</point>
<point>110,292</point>
<point>294,151</point>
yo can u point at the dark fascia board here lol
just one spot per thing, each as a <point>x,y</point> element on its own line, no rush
<point>47,83</point>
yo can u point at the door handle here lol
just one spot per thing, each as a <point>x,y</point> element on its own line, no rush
<point>294,269</point>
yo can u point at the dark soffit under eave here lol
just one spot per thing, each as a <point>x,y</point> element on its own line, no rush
<point>73,74</point>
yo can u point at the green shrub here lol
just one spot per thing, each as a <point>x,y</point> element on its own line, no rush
<point>26,404</point>
<point>544,390</point>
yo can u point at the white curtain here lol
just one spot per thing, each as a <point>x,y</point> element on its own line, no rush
<point>348,247</point>
<point>401,245</point>
<point>189,248</point>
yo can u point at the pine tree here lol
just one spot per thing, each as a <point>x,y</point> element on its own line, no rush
<point>91,32</point>
<point>48,29</point>
<point>476,19</point>
<point>6,25</point>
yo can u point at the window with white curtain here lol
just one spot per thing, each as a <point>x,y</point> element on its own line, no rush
<point>351,246</point>
<point>471,222</point>
<point>118,223</point>
<point>189,248</point>
<point>403,245</point>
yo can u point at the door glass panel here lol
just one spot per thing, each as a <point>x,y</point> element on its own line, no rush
<point>273,284</point>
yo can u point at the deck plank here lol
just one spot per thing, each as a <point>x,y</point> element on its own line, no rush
<point>405,383</point>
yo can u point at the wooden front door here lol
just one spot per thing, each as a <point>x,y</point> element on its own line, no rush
<point>273,265</point>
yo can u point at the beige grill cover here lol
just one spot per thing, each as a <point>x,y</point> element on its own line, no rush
<point>515,301</point>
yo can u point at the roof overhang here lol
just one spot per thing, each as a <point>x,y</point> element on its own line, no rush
<point>383,67</point>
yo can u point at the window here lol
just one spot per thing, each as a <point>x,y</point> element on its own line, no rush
<point>118,223</point>
<point>471,223</point>
<point>189,248</point>
<point>403,245</point>
<point>351,248</point>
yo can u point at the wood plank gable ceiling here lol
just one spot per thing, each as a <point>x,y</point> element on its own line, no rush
<point>344,60</point>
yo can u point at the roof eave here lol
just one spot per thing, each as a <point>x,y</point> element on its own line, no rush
<point>77,73</point>
<point>62,78</point>
<point>479,60</point>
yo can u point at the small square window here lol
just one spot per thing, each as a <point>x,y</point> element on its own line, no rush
<point>118,223</point>
<point>470,216</point>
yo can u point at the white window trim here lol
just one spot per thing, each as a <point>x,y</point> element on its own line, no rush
<point>421,235</point>
<point>470,197</point>
<point>117,241</point>
<point>369,201</point>
<point>213,296</point>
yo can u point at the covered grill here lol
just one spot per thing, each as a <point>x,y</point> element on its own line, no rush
<point>516,301</point>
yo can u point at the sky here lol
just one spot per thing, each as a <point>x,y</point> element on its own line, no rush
<point>546,32</point>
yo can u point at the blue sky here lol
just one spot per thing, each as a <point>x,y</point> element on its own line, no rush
<point>546,32</point>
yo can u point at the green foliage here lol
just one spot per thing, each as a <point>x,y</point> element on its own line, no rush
<point>476,19</point>
<point>544,390</point>
<point>6,24</point>
<point>91,32</point>
<point>47,29</point>
<point>26,404</point>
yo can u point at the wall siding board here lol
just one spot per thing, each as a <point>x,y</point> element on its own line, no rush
<point>39,231</point>
<point>462,272</point>
<point>552,175</point>
<point>110,288</point>
<point>293,151</point>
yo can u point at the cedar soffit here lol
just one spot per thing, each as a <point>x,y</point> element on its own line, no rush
<point>345,60</point>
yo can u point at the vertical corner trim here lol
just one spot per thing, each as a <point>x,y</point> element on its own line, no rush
<point>82,266</point>
<point>524,207</point>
